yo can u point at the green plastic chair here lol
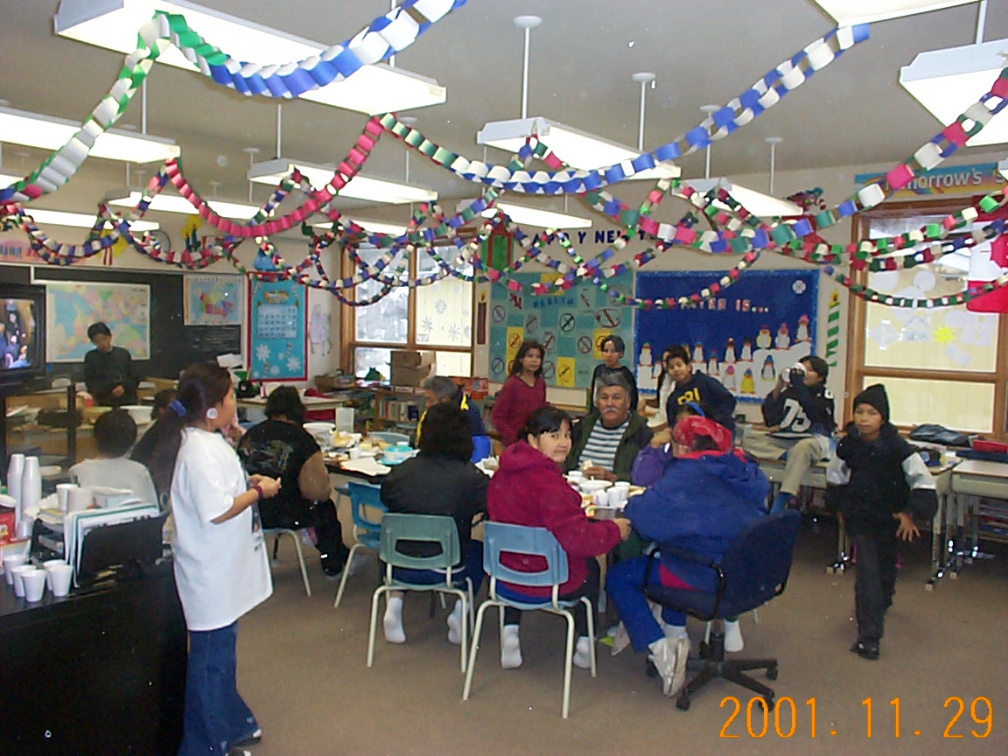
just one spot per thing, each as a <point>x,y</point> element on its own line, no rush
<point>397,528</point>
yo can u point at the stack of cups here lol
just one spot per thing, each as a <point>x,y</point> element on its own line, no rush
<point>619,492</point>
<point>15,471</point>
<point>31,494</point>
<point>57,577</point>
<point>34,581</point>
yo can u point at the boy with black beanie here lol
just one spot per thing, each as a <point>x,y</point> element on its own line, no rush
<point>879,484</point>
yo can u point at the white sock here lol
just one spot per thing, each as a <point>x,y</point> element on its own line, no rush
<point>455,624</point>
<point>511,657</point>
<point>733,642</point>
<point>394,632</point>
<point>582,653</point>
<point>675,632</point>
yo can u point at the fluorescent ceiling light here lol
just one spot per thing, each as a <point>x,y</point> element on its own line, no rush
<point>850,12</point>
<point>174,204</point>
<point>113,25</point>
<point>948,81</point>
<point>579,149</point>
<point>533,216</point>
<point>48,133</point>
<point>271,172</point>
<point>375,227</point>
<point>757,203</point>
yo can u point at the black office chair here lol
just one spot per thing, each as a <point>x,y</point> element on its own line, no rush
<point>754,570</point>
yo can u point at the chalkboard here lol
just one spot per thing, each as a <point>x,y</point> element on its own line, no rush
<point>174,346</point>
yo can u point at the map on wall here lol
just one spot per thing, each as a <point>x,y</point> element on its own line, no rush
<point>764,323</point>
<point>570,324</point>
<point>72,307</point>
<point>213,300</point>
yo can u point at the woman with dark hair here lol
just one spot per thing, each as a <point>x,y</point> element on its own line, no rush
<point>529,489</point>
<point>523,392</point>
<point>220,563</point>
<point>613,348</point>
<point>440,480</point>
<point>280,447</point>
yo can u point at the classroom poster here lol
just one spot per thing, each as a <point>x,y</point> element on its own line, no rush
<point>277,331</point>
<point>762,324</point>
<point>72,306</point>
<point>570,324</point>
<point>212,300</point>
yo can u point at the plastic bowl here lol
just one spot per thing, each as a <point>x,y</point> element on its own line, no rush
<point>591,485</point>
<point>394,455</point>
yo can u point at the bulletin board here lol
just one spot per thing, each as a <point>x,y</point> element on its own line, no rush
<point>763,323</point>
<point>278,334</point>
<point>571,325</point>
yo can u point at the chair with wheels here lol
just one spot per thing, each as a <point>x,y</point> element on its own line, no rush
<point>500,538</point>
<point>295,536</point>
<point>399,530</point>
<point>363,496</point>
<point>753,571</point>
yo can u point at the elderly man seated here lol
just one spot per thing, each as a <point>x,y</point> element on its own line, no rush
<point>605,442</point>
<point>441,390</point>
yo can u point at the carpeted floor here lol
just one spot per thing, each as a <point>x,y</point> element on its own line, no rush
<point>302,669</point>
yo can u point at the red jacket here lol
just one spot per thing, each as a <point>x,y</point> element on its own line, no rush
<point>529,489</point>
<point>515,401</point>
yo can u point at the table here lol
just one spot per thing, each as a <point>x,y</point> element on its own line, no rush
<point>97,672</point>
<point>311,403</point>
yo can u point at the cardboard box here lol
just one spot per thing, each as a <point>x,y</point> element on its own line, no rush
<point>409,376</point>
<point>411,359</point>
<point>7,518</point>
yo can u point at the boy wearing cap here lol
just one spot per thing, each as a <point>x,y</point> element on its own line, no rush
<point>878,483</point>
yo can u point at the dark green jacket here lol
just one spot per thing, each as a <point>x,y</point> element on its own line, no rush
<point>635,437</point>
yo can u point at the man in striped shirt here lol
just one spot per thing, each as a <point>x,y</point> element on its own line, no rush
<point>605,443</point>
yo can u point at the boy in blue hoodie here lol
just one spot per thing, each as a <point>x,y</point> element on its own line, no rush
<point>879,484</point>
<point>707,494</point>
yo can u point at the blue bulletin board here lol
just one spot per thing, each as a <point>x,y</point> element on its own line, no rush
<point>763,323</point>
<point>277,334</point>
<point>570,325</point>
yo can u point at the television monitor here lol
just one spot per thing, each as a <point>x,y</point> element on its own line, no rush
<point>22,333</point>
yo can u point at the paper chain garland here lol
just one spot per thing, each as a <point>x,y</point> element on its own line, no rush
<point>733,231</point>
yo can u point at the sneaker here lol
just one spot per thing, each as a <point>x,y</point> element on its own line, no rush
<point>866,650</point>
<point>235,751</point>
<point>582,653</point>
<point>620,639</point>
<point>733,642</point>
<point>332,574</point>
<point>249,740</point>
<point>669,658</point>
<point>511,657</point>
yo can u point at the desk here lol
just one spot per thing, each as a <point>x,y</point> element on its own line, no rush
<point>971,481</point>
<point>98,672</point>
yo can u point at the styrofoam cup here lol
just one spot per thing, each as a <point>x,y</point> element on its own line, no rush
<point>18,573</point>
<point>354,452</point>
<point>60,576</point>
<point>48,567</point>
<point>34,584</point>
<point>62,493</point>
<point>78,499</point>
<point>9,563</point>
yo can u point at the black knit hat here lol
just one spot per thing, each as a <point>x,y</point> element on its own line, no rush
<point>875,395</point>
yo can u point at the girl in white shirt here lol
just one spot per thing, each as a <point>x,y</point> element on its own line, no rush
<point>221,569</point>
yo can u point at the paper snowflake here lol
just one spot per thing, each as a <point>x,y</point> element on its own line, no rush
<point>293,364</point>
<point>798,287</point>
<point>262,353</point>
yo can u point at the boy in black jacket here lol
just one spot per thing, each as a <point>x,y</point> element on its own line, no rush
<point>879,483</point>
<point>798,413</point>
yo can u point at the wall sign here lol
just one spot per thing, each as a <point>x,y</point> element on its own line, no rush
<point>277,331</point>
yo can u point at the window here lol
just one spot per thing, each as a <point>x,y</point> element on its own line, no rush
<point>436,317</point>
<point>944,365</point>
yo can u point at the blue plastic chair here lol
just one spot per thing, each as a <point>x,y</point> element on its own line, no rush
<point>397,528</point>
<point>500,538</point>
<point>482,448</point>
<point>753,571</point>
<point>363,496</point>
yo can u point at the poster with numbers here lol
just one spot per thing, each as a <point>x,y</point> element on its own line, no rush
<point>570,324</point>
<point>277,346</point>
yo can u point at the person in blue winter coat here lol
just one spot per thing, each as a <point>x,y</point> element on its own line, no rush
<point>706,495</point>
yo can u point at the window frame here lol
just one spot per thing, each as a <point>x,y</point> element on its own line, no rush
<point>348,324</point>
<point>857,374</point>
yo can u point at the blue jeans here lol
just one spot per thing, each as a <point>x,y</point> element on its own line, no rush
<point>625,586</point>
<point>215,715</point>
<point>472,568</point>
